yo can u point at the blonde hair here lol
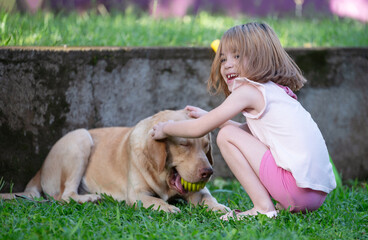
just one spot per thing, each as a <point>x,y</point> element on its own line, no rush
<point>266,59</point>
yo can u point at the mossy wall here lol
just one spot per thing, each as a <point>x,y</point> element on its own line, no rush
<point>46,92</point>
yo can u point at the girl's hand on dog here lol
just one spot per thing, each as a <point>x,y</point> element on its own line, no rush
<point>157,131</point>
<point>195,112</point>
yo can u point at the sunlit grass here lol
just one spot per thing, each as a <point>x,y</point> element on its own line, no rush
<point>139,29</point>
<point>344,215</point>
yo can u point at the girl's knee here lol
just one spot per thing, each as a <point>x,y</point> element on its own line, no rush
<point>224,134</point>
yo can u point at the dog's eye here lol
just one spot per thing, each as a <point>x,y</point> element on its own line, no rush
<point>184,144</point>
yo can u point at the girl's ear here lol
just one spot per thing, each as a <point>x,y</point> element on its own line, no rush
<point>155,152</point>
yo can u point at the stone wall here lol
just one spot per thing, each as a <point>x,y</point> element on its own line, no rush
<point>46,92</point>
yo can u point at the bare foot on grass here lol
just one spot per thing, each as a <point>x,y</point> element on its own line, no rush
<point>238,215</point>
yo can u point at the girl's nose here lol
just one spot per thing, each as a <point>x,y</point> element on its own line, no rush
<point>229,64</point>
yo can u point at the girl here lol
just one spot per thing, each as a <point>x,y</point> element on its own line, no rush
<point>279,151</point>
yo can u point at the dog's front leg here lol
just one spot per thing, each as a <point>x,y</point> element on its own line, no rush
<point>158,203</point>
<point>204,197</point>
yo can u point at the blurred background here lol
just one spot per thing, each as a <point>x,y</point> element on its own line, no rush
<point>355,9</point>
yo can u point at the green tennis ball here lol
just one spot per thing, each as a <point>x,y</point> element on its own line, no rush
<point>192,187</point>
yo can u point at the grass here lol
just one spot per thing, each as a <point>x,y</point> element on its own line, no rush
<point>139,29</point>
<point>344,215</point>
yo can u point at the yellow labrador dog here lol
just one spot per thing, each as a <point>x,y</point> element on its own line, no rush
<point>127,164</point>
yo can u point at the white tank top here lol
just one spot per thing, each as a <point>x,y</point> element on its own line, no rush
<point>292,136</point>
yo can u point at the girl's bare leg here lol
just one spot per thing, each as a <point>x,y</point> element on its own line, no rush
<point>243,154</point>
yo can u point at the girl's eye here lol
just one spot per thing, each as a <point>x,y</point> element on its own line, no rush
<point>237,56</point>
<point>222,60</point>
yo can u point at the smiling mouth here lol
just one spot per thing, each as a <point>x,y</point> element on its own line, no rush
<point>231,76</point>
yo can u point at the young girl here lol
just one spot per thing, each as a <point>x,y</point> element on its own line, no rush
<point>279,151</point>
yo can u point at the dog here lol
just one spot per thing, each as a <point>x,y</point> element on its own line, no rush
<point>127,164</point>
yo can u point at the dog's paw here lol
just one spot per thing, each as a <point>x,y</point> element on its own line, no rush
<point>220,208</point>
<point>88,198</point>
<point>174,209</point>
<point>82,198</point>
<point>170,209</point>
<point>93,198</point>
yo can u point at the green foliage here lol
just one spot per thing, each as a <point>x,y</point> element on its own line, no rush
<point>344,215</point>
<point>139,29</point>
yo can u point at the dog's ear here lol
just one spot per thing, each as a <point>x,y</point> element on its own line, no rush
<point>155,151</point>
<point>209,152</point>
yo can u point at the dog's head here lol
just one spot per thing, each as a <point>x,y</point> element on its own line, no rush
<point>175,157</point>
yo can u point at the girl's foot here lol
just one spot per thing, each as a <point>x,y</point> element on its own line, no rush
<point>238,215</point>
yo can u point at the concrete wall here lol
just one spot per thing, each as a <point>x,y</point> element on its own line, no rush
<point>46,92</point>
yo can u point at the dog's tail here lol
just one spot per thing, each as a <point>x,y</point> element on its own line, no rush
<point>33,189</point>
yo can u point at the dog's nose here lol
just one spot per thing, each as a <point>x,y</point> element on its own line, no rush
<point>205,173</point>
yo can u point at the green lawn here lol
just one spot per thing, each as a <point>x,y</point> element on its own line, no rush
<point>344,215</point>
<point>139,29</point>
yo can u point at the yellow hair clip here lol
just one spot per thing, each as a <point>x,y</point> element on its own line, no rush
<point>215,44</point>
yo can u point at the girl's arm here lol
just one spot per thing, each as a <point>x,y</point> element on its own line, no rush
<point>246,97</point>
<point>196,112</point>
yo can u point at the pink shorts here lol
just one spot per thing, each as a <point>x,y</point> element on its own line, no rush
<point>282,187</point>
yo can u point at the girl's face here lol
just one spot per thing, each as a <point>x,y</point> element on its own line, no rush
<point>230,67</point>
